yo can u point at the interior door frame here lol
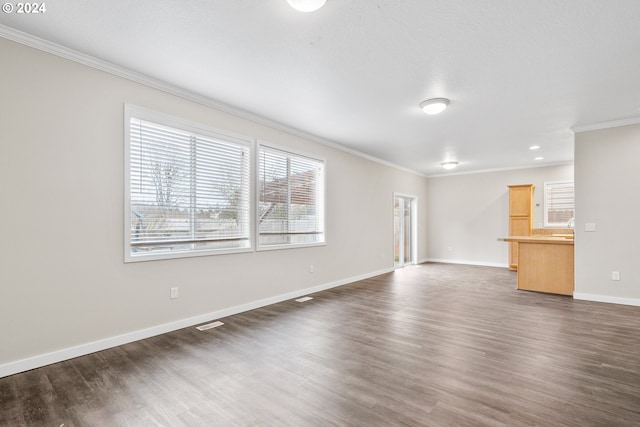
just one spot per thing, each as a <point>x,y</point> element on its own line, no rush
<point>414,230</point>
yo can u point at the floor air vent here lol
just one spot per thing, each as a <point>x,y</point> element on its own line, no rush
<point>209,326</point>
<point>303,299</point>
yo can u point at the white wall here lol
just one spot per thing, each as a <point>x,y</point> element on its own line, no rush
<point>467,213</point>
<point>608,194</point>
<point>62,275</point>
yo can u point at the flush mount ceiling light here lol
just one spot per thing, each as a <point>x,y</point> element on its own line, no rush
<point>449,165</point>
<point>434,105</point>
<point>539,158</point>
<point>306,5</point>
<point>534,147</point>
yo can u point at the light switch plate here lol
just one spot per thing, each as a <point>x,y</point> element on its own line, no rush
<point>590,226</point>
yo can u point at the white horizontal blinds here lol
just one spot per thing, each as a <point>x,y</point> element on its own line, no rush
<point>160,184</point>
<point>291,199</point>
<point>559,203</point>
<point>187,191</point>
<point>222,190</point>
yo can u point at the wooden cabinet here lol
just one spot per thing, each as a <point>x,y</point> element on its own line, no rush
<point>520,217</point>
<point>545,263</point>
<point>518,226</point>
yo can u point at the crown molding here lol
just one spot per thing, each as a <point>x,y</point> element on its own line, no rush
<point>545,165</point>
<point>125,73</point>
<point>606,125</point>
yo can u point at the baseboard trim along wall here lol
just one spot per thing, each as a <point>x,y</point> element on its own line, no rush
<point>92,347</point>
<point>478,263</point>
<point>605,298</point>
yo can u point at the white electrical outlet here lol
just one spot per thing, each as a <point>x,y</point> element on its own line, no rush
<point>174,293</point>
<point>311,268</point>
<point>590,226</point>
<point>615,275</point>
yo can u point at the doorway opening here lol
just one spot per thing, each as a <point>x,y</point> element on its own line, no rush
<point>404,229</point>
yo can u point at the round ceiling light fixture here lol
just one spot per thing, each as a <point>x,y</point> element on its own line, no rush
<point>434,105</point>
<point>449,165</point>
<point>306,5</point>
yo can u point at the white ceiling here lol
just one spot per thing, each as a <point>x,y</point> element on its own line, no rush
<point>517,72</point>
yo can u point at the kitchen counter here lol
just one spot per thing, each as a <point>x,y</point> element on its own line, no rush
<point>557,240</point>
<point>545,263</point>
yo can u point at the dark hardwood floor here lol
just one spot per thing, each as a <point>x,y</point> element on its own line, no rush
<point>430,345</point>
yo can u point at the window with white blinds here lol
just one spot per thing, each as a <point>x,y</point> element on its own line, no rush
<point>559,203</point>
<point>290,199</point>
<point>187,189</point>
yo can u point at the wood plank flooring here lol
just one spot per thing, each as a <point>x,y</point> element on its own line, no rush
<point>429,345</point>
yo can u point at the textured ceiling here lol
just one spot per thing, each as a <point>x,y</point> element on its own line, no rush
<point>518,72</point>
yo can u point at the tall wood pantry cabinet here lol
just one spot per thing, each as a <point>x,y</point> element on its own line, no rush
<point>520,217</point>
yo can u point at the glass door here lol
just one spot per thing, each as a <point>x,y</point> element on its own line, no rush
<point>404,208</point>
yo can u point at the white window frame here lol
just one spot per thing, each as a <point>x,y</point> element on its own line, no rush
<point>547,186</point>
<point>132,111</point>
<point>322,189</point>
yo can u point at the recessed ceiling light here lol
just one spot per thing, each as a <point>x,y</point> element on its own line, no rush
<point>306,5</point>
<point>539,158</point>
<point>449,165</point>
<point>534,147</point>
<point>434,105</point>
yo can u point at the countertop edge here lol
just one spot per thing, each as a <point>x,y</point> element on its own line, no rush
<point>539,239</point>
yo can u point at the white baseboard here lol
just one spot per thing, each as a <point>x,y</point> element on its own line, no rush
<point>606,298</point>
<point>457,261</point>
<point>92,347</point>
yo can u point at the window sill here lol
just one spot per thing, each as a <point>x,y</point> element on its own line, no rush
<point>186,254</point>
<point>294,246</point>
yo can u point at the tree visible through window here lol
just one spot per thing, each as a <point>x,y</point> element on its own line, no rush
<point>188,192</point>
<point>559,204</point>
